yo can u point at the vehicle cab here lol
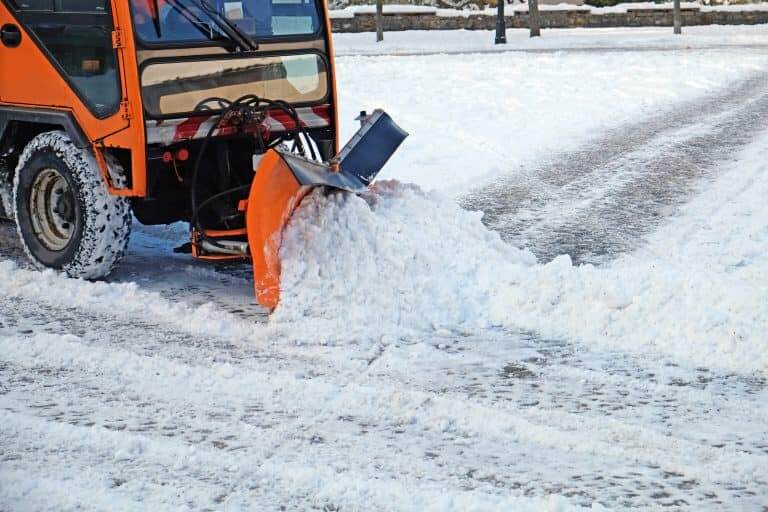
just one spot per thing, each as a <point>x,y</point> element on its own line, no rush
<point>139,89</point>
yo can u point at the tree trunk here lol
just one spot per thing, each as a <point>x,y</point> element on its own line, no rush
<point>677,18</point>
<point>379,20</point>
<point>534,21</point>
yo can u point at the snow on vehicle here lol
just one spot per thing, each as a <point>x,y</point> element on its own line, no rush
<point>216,112</point>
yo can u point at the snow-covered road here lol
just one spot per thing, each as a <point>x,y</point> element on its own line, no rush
<point>602,200</point>
<point>169,390</point>
<point>174,420</point>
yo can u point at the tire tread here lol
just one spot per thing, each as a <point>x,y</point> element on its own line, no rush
<point>107,218</point>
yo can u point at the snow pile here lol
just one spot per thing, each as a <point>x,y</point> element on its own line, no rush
<point>398,261</point>
<point>395,257</point>
<point>681,309</point>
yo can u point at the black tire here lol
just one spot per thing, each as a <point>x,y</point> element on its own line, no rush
<point>65,216</point>
<point>5,202</point>
<point>6,194</point>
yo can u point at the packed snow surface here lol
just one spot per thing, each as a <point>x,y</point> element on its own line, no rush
<point>472,117</point>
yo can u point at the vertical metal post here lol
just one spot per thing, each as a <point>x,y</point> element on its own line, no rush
<point>501,25</point>
<point>379,20</point>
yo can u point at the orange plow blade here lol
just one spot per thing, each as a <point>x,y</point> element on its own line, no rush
<point>275,193</point>
<point>283,179</point>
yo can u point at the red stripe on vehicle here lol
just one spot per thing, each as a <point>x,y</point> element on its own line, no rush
<point>187,129</point>
<point>323,111</point>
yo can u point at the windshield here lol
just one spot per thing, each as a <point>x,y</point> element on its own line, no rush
<point>179,21</point>
<point>175,88</point>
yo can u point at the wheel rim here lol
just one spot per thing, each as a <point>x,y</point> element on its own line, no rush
<point>52,209</point>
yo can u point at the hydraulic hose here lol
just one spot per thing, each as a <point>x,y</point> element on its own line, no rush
<point>250,107</point>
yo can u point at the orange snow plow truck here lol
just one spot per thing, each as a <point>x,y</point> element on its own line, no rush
<point>220,113</point>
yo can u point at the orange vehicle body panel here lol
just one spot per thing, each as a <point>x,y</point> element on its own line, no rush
<point>275,194</point>
<point>332,69</point>
<point>29,79</point>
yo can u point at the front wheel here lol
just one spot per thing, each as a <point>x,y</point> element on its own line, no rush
<point>65,216</point>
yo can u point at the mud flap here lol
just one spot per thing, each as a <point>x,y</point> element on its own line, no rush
<point>283,179</point>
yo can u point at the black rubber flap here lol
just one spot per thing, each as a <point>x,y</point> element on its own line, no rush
<point>359,161</point>
<point>371,147</point>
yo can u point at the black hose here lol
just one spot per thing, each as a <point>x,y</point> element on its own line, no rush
<point>193,186</point>
<point>216,196</point>
<point>251,106</point>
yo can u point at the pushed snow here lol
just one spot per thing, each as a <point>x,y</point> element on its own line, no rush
<point>394,257</point>
<point>399,261</point>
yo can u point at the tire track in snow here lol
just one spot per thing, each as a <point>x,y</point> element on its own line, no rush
<point>599,202</point>
<point>228,285</point>
<point>336,408</point>
<point>154,424</point>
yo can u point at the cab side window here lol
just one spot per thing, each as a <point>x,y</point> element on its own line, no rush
<point>77,34</point>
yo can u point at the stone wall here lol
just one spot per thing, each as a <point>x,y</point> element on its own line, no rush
<point>549,19</point>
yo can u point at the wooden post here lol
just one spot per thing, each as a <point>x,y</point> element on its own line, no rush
<point>534,22</point>
<point>379,20</point>
<point>677,18</point>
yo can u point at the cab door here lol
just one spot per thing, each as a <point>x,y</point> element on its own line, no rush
<point>65,58</point>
